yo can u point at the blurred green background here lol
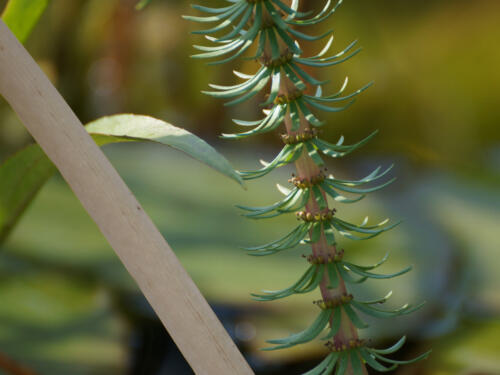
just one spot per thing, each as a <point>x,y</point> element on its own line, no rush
<point>67,306</point>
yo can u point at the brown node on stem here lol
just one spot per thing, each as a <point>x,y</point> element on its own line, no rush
<point>309,217</point>
<point>283,59</point>
<point>340,300</point>
<point>338,346</point>
<point>321,259</point>
<point>307,183</point>
<point>306,135</point>
<point>292,96</point>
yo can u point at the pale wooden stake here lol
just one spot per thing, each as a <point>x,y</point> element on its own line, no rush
<point>130,232</point>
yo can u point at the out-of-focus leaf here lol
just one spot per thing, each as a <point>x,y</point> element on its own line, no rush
<point>68,325</point>
<point>142,4</point>
<point>22,176</point>
<point>473,346</point>
<point>22,15</point>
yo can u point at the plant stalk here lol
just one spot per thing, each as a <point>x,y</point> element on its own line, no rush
<point>306,168</point>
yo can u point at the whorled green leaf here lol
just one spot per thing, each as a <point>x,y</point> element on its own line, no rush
<point>373,357</point>
<point>287,155</point>
<point>384,314</point>
<point>333,276</point>
<point>308,282</point>
<point>370,360</point>
<point>346,276</point>
<point>326,366</point>
<point>343,364</point>
<point>353,316</point>
<point>272,120</point>
<point>22,175</point>
<point>21,16</point>
<point>362,231</point>
<point>302,337</point>
<point>335,323</point>
<point>359,271</point>
<point>326,12</point>
<point>356,364</point>
<point>289,241</point>
<point>295,200</point>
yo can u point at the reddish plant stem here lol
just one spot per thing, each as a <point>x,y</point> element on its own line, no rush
<point>306,168</point>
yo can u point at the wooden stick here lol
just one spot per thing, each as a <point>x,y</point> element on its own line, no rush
<point>137,242</point>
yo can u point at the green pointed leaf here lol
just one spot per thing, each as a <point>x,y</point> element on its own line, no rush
<point>333,276</point>
<point>355,319</point>
<point>297,287</point>
<point>361,272</point>
<point>320,199</point>
<point>370,360</point>
<point>378,313</point>
<point>21,177</point>
<point>343,363</point>
<point>21,16</point>
<point>392,361</point>
<point>288,241</point>
<point>335,323</point>
<point>356,364</point>
<point>26,172</point>
<point>325,366</point>
<point>315,232</point>
<point>392,349</point>
<point>329,234</point>
<point>129,127</point>
<point>307,335</point>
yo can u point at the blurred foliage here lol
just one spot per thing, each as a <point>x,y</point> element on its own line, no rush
<point>434,64</point>
<point>57,263</point>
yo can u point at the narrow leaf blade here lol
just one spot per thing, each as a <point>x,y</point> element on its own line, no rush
<point>21,16</point>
